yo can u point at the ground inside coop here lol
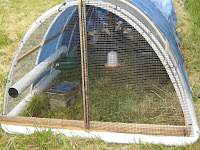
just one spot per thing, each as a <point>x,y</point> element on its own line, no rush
<point>112,100</point>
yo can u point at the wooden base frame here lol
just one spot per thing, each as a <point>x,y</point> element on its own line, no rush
<point>96,126</point>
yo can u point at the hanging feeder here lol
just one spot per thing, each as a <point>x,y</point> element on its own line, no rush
<point>112,61</point>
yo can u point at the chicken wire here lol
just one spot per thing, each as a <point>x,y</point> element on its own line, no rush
<point>139,91</point>
<point>25,65</point>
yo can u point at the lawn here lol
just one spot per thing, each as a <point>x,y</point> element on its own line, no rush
<point>16,17</point>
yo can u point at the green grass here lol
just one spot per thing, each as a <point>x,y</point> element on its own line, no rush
<point>39,107</point>
<point>112,100</point>
<point>110,106</point>
<point>48,141</point>
<point>191,45</point>
<point>4,40</point>
<point>193,7</point>
<point>2,86</point>
<point>15,14</point>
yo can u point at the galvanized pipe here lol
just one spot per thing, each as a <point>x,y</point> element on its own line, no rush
<point>35,73</point>
<point>40,88</point>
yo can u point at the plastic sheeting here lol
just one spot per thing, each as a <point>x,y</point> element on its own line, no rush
<point>167,9</point>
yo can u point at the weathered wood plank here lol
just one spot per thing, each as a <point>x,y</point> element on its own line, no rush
<point>128,128</point>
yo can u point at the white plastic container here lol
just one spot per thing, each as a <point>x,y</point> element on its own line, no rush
<point>112,60</point>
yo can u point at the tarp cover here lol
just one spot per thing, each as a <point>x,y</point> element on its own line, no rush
<point>167,9</point>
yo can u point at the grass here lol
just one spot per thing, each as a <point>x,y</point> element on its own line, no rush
<point>2,86</point>
<point>110,104</point>
<point>48,141</point>
<point>191,46</point>
<point>39,107</point>
<point>15,13</point>
<point>4,40</point>
<point>193,8</point>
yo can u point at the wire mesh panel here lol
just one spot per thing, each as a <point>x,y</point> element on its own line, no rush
<point>27,58</point>
<point>135,88</point>
<point>127,81</point>
<point>63,98</point>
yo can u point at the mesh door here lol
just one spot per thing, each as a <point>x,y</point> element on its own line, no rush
<point>138,88</point>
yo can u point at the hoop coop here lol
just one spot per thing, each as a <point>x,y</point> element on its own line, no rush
<point>112,68</point>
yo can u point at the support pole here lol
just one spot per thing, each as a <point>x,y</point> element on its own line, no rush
<point>84,63</point>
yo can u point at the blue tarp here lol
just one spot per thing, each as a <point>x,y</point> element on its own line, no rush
<point>167,9</point>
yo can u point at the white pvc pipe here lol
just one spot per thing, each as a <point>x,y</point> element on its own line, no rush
<point>40,88</point>
<point>34,74</point>
<point>106,136</point>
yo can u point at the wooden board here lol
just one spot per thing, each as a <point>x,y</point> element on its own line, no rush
<point>146,129</point>
<point>128,128</point>
<point>41,122</point>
